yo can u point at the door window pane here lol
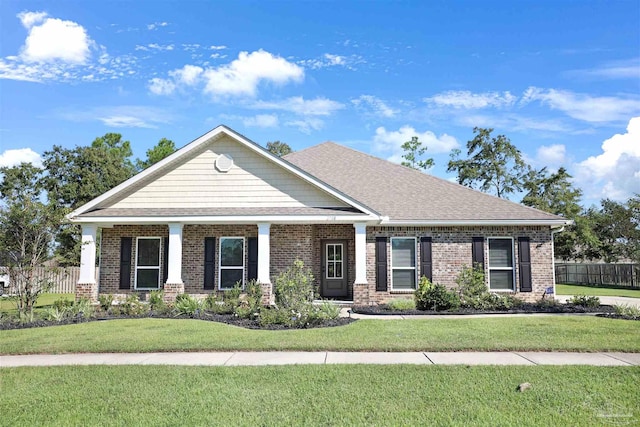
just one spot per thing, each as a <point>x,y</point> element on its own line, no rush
<point>333,260</point>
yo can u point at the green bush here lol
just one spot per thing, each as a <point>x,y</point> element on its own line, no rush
<point>473,289</point>
<point>275,316</point>
<point>217,304</point>
<point>585,301</point>
<point>435,297</point>
<point>81,309</point>
<point>628,311</point>
<point>400,304</point>
<point>187,305</point>
<point>324,311</point>
<point>293,287</point>
<point>62,304</point>
<point>132,306</point>
<point>54,314</point>
<point>156,300</point>
<point>105,300</point>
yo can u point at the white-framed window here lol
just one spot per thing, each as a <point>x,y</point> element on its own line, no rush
<point>334,260</point>
<point>501,264</point>
<point>403,263</point>
<point>147,263</point>
<point>231,270</point>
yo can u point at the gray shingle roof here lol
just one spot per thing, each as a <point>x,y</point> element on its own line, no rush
<point>402,193</point>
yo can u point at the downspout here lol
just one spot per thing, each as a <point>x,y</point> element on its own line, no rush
<point>553,256</point>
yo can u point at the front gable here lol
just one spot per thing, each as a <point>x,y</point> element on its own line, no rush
<point>219,171</point>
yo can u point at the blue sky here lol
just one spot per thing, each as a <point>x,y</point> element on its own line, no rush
<point>560,78</point>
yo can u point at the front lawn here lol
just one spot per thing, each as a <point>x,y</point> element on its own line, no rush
<point>8,305</point>
<point>597,291</point>
<point>553,333</point>
<point>320,395</point>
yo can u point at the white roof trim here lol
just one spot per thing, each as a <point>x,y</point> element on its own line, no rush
<point>481,222</point>
<point>216,132</point>
<point>230,219</point>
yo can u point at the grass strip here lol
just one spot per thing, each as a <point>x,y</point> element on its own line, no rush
<point>319,395</point>
<point>535,333</point>
<point>602,291</point>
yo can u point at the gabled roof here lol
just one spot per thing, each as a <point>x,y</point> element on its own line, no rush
<point>98,209</point>
<point>405,195</point>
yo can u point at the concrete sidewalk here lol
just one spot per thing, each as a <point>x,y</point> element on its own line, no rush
<point>324,358</point>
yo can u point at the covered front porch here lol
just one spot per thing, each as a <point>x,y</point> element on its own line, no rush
<point>183,257</point>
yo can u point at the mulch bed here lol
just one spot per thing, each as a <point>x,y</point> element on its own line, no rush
<point>523,309</point>
<point>617,316</point>
<point>229,319</point>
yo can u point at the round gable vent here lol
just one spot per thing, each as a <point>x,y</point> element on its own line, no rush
<point>224,163</point>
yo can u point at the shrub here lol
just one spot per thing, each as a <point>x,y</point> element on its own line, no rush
<point>401,304</point>
<point>105,301</point>
<point>628,311</point>
<point>187,305</point>
<point>132,306</point>
<point>156,300</point>
<point>293,287</point>
<point>217,305</point>
<point>54,314</point>
<point>473,289</point>
<point>232,296</point>
<point>62,304</point>
<point>253,295</point>
<point>435,297</point>
<point>585,301</point>
<point>81,309</point>
<point>324,311</point>
<point>275,316</point>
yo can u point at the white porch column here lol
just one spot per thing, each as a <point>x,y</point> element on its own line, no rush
<point>361,253</point>
<point>264,256</point>
<point>174,264</point>
<point>88,254</point>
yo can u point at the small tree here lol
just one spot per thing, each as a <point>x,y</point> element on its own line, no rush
<point>27,230</point>
<point>413,150</point>
<point>279,148</point>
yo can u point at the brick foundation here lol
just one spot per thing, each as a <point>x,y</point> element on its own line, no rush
<point>172,290</point>
<point>88,291</point>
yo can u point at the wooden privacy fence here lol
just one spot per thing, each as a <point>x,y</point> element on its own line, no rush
<point>599,274</point>
<point>64,279</point>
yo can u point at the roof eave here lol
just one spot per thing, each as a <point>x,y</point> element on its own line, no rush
<point>553,223</point>
<point>227,219</point>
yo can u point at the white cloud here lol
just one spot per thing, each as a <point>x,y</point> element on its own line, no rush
<point>160,86</point>
<point>156,25</point>
<point>617,170</point>
<point>550,156</point>
<point>331,60</point>
<point>29,19</point>
<point>391,141</point>
<point>626,69</point>
<point>464,99</point>
<point>584,107</point>
<point>306,124</point>
<point>155,47</point>
<point>261,121</point>
<point>243,75</point>
<point>22,155</point>
<point>221,47</point>
<point>124,116</point>
<point>188,75</point>
<point>300,106</point>
<point>376,105</point>
<point>52,39</point>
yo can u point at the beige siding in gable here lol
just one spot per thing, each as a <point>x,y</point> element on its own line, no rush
<point>254,181</point>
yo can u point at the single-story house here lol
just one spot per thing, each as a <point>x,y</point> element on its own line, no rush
<point>223,210</point>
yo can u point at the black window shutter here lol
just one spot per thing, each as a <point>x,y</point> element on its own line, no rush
<point>477,252</point>
<point>125,262</point>
<point>252,267</point>
<point>165,261</point>
<point>524,260</point>
<point>209,262</point>
<point>425,257</point>
<point>381,263</point>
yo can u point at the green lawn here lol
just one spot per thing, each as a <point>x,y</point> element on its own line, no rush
<point>319,395</point>
<point>563,333</point>
<point>597,290</point>
<point>7,304</point>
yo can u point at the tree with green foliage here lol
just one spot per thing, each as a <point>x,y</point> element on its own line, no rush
<point>279,148</point>
<point>413,151</point>
<point>493,164</point>
<point>554,193</point>
<point>165,147</point>
<point>27,229</point>
<point>76,176</point>
<point>617,226</point>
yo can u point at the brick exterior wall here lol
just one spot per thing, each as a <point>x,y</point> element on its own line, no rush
<point>451,250</point>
